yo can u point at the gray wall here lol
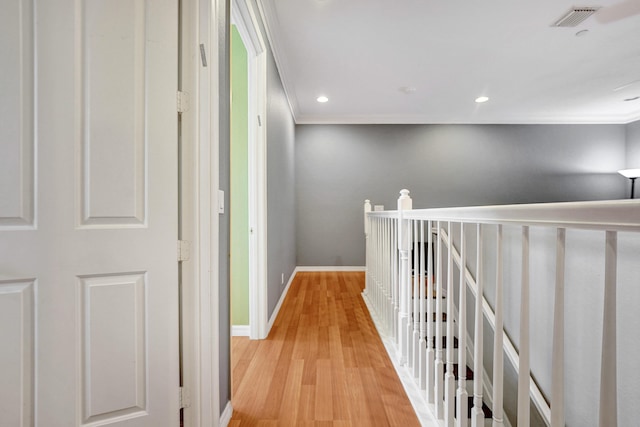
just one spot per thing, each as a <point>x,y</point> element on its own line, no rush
<point>339,166</point>
<point>281,232</point>
<point>633,145</point>
<point>281,240</point>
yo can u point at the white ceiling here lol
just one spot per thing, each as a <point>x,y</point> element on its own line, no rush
<point>364,54</point>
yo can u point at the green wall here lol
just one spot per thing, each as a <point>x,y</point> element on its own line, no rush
<point>239,197</point>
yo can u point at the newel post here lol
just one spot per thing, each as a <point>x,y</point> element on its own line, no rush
<point>367,260</point>
<point>404,244</point>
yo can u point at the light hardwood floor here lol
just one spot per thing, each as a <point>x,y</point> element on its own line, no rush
<point>323,363</point>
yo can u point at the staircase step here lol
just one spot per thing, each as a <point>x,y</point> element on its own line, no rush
<point>444,342</point>
<point>455,372</point>
<point>444,316</point>
<point>487,412</point>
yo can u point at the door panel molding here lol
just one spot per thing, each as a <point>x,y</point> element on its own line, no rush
<point>112,54</point>
<point>114,346</point>
<point>17,335</point>
<point>17,151</point>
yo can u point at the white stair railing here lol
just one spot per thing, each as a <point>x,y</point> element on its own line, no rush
<point>402,284</point>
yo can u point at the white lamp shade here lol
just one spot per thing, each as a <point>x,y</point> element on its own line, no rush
<point>630,173</point>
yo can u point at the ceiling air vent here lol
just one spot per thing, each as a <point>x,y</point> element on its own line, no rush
<point>575,16</point>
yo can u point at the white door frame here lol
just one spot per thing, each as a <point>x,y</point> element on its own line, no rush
<point>244,17</point>
<point>203,21</point>
<point>208,183</point>
<point>202,354</point>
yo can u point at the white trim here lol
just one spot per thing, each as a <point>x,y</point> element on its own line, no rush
<point>331,268</point>
<point>267,12</point>
<point>244,18</point>
<point>239,330</point>
<point>206,358</point>
<point>191,169</point>
<point>302,119</point>
<point>276,310</point>
<point>225,418</point>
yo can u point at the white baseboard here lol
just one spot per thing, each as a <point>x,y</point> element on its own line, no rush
<point>331,268</point>
<point>240,330</point>
<point>226,415</point>
<point>276,310</point>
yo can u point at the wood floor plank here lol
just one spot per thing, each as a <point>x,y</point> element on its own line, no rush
<point>340,395</point>
<point>324,390</point>
<point>356,395</point>
<point>323,363</point>
<point>288,413</point>
<point>306,406</point>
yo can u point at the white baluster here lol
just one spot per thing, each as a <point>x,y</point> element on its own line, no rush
<point>557,361</point>
<point>524,371</point>
<point>391,248</point>
<point>378,263</point>
<point>439,363</point>
<point>396,281</point>
<point>412,316</point>
<point>608,384</point>
<point>431,319</point>
<point>393,258</point>
<point>422,345</point>
<point>385,277</point>
<point>477,415</point>
<point>449,378</point>
<point>383,250</point>
<point>404,203</point>
<point>382,262</point>
<point>374,261</point>
<point>498,365</point>
<point>416,299</point>
<point>367,232</point>
<point>462,395</point>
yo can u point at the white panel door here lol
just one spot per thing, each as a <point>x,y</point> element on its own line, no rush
<point>88,213</point>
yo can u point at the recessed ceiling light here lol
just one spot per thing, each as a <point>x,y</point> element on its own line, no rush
<point>408,89</point>
<point>482,99</point>
<point>582,33</point>
<point>322,99</point>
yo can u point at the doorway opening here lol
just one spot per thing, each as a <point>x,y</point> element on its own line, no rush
<point>248,174</point>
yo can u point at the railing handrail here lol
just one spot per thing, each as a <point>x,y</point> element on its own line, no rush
<point>614,215</point>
